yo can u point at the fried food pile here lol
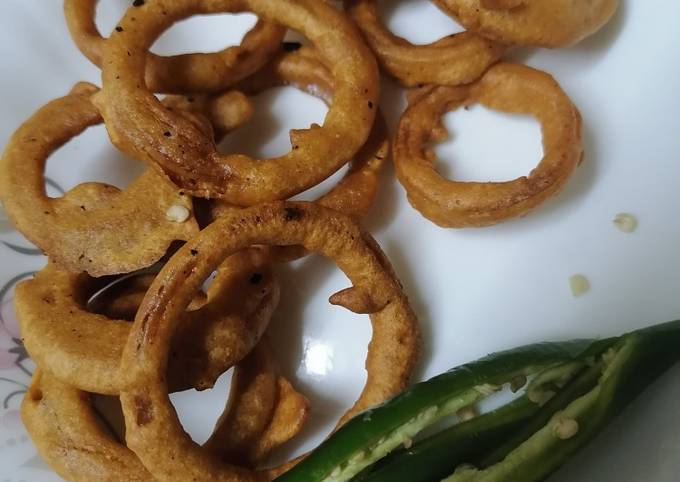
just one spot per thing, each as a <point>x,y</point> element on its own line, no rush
<point>123,307</point>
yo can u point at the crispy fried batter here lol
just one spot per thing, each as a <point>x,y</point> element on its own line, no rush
<point>94,227</point>
<point>70,436</point>
<point>452,60</point>
<point>355,193</point>
<point>84,348</point>
<point>149,415</point>
<point>189,73</point>
<point>540,23</point>
<point>242,435</point>
<point>141,126</point>
<point>507,88</point>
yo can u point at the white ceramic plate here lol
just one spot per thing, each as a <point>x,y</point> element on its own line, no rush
<point>475,291</point>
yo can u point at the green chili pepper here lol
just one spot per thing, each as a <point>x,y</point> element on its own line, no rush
<point>579,385</point>
<point>441,453</point>
<point>590,382</point>
<point>370,436</point>
<point>628,367</point>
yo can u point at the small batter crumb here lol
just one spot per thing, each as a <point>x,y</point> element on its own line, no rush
<point>626,222</point>
<point>579,285</point>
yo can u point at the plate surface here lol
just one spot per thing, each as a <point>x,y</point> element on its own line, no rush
<point>475,291</point>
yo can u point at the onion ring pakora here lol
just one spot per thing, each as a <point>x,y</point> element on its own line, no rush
<point>94,227</point>
<point>508,88</point>
<point>355,193</point>
<point>392,353</point>
<point>539,23</point>
<point>197,72</point>
<point>139,124</point>
<point>452,60</point>
<point>224,112</point>
<point>243,434</point>
<point>84,349</point>
<point>68,434</point>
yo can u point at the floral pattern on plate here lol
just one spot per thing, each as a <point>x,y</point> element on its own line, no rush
<point>16,368</point>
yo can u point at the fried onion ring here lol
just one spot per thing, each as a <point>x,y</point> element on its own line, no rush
<point>84,349</point>
<point>196,72</point>
<point>70,437</point>
<point>242,434</point>
<point>94,227</point>
<point>139,124</point>
<point>540,23</point>
<point>507,88</point>
<point>392,353</point>
<point>302,68</point>
<point>452,60</point>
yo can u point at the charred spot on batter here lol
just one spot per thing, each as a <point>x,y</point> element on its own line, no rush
<point>194,252</point>
<point>293,214</point>
<point>119,28</point>
<point>291,46</point>
<point>256,278</point>
<point>143,411</point>
<point>143,331</point>
<point>138,3</point>
<point>36,394</point>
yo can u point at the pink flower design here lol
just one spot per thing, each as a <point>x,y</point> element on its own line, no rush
<point>11,420</point>
<point>10,326</point>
